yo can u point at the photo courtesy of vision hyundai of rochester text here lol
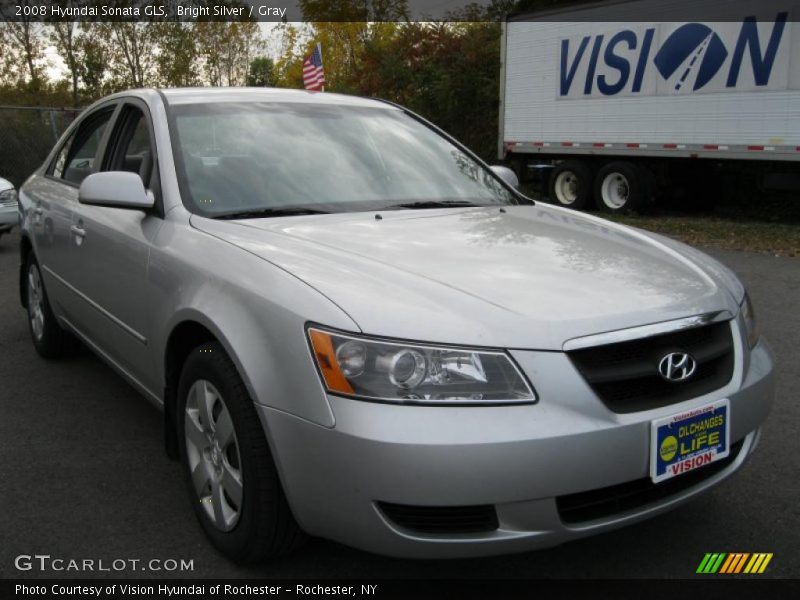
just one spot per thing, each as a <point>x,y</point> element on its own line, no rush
<point>357,330</point>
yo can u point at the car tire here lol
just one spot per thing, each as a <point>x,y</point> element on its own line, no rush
<point>253,522</point>
<point>49,338</point>
<point>570,184</point>
<point>622,187</point>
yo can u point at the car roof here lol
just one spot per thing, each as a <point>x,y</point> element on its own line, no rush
<point>199,95</point>
<point>5,184</point>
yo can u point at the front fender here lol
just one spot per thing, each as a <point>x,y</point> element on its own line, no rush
<point>256,310</point>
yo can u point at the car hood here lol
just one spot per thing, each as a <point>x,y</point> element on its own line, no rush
<point>5,184</point>
<point>523,277</point>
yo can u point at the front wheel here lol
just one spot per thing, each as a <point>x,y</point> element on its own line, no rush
<point>232,479</point>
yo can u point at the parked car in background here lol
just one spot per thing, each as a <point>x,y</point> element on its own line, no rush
<point>9,208</point>
<point>358,330</point>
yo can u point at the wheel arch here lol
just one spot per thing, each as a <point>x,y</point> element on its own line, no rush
<point>190,330</point>
<point>25,248</point>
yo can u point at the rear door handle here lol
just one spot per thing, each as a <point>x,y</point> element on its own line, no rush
<point>38,211</point>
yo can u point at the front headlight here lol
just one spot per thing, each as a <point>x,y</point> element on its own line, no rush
<point>414,373</point>
<point>8,197</point>
<point>750,322</point>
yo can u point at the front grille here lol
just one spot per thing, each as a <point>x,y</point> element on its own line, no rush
<point>616,499</point>
<point>625,374</point>
<point>442,519</point>
<point>8,203</point>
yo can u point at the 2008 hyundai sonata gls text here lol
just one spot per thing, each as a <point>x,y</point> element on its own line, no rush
<point>358,330</point>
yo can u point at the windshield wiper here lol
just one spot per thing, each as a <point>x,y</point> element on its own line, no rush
<point>261,213</point>
<point>433,204</point>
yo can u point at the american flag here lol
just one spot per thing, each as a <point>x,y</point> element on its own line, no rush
<point>313,71</point>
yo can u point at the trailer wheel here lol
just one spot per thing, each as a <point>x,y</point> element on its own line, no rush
<point>621,187</point>
<point>571,184</point>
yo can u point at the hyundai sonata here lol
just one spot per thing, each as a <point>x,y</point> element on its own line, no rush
<point>358,330</point>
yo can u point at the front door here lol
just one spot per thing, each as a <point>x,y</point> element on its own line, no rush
<point>111,253</point>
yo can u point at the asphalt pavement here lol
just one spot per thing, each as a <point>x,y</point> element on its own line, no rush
<point>84,474</point>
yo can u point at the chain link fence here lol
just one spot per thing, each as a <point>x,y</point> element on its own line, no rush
<point>27,135</point>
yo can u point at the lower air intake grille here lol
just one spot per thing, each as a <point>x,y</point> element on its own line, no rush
<point>441,519</point>
<point>625,375</point>
<point>610,501</point>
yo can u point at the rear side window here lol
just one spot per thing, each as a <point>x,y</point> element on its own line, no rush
<point>79,156</point>
<point>57,168</point>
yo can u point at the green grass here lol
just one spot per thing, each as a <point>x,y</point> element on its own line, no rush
<point>780,239</point>
<point>769,223</point>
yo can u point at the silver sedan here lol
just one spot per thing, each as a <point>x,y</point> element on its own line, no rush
<point>358,330</point>
<point>9,209</point>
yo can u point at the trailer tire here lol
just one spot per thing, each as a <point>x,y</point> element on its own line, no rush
<point>570,184</point>
<point>622,187</point>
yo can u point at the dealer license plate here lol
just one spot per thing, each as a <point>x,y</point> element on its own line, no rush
<point>689,440</point>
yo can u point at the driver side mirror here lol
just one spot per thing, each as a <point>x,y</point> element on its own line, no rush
<point>115,189</point>
<point>506,175</point>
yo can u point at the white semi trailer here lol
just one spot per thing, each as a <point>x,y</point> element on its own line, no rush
<point>620,110</point>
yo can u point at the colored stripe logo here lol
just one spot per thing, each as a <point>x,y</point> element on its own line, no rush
<point>734,563</point>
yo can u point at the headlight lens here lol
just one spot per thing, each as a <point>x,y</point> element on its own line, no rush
<point>414,373</point>
<point>750,322</point>
<point>8,197</point>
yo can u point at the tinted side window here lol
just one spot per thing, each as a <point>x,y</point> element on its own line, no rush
<point>81,157</point>
<point>133,149</point>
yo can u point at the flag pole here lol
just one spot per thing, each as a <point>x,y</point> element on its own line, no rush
<point>319,47</point>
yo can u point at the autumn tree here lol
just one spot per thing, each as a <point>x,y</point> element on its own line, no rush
<point>345,27</point>
<point>227,49</point>
<point>64,35</point>
<point>96,56</point>
<point>132,45</point>
<point>288,68</point>
<point>176,60</point>
<point>23,54</point>
<point>261,72</point>
<point>447,72</point>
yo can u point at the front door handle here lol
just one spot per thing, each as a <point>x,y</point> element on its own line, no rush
<point>38,211</point>
<point>79,234</point>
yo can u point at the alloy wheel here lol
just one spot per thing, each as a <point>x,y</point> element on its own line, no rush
<point>35,302</point>
<point>213,455</point>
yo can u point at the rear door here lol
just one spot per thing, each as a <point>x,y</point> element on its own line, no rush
<point>54,198</point>
<point>110,260</point>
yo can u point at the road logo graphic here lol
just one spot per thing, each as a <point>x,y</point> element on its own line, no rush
<point>704,46</point>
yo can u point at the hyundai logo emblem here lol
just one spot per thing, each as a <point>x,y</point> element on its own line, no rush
<point>677,366</point>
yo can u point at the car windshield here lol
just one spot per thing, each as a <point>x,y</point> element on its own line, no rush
<point>265,159</point>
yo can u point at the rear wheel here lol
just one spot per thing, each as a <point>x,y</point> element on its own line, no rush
<point>571,184</point>
<point>230,473</point>
<point>49,339</point>
<point>622,187</point>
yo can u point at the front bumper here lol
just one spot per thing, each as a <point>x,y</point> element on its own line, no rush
<point>519,459</point>
<point>9,218</point>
